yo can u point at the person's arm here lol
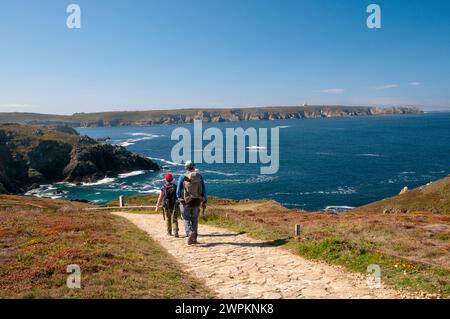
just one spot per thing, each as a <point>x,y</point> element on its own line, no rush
<point>180,186</point>
<point>158,203</point>
<point>205,197</point>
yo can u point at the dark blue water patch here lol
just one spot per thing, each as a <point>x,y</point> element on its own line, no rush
<point>339,162</point>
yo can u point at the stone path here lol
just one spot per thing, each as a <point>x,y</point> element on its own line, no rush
<point>237,266</point>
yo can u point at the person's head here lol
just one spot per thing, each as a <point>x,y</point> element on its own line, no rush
<point>169,178</point>
<point>189,165</point>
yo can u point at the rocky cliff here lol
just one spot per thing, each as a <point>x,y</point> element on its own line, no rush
<point>31,155</point>
<point>183,116</point>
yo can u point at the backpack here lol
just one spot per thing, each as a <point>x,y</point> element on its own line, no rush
<point>169,196</point>
<point>192,187</point>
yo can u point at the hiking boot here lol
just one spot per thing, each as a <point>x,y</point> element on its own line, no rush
<point>190,239</point>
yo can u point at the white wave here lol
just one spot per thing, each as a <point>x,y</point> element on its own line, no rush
<point>407,173</point>
<point>283,126</point>
<point>339,191</point>
<point>143,134</point>
<point>125,144</point>
<point>66,184</point>
<point>134,173</point>
<point>370,155</point>
<point>133,141</point>
<point>338,208</point>
<point>165,161</point>
<point>220,173</point>
<point>106,180</point>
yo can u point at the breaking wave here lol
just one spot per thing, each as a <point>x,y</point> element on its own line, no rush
<point>134,173</point>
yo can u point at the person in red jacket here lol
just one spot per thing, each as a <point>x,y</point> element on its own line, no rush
<point>168,199</point>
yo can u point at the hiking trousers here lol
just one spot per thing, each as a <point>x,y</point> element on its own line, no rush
<point>190,219</point>
<point>171,221</point>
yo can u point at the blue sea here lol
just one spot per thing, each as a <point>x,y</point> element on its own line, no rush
<point>325,164</point>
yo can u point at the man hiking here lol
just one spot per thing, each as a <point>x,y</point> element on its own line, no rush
<point>191,194</point>
<point>168,198</point>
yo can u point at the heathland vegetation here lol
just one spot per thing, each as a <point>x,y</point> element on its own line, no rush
<point>410,242</point>
<point>40,237</point>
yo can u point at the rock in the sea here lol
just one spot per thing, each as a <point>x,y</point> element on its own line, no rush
<point>98,161</point>
<point>404,190</point>
<point>58,154</point>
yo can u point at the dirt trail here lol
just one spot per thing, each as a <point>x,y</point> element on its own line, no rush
<point>237,266</point>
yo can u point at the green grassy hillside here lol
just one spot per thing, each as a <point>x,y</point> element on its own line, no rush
<point>433,197</point>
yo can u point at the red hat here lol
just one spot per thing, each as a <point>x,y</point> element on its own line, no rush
<point>169,177</point>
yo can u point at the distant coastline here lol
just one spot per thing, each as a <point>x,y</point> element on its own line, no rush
<point>209,115</point>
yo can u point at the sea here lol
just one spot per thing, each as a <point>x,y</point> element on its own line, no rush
<point>326,164</point>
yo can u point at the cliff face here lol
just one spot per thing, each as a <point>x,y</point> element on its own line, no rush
<point>231,115</point>
<point>183,116</point>
<point>32,155</point>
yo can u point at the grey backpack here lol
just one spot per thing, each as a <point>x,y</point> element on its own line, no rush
<point>192,187</point>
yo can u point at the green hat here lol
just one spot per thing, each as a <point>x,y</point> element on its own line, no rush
<point>189,164</point>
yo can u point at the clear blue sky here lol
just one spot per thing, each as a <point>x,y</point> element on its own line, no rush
<point>132,55</point>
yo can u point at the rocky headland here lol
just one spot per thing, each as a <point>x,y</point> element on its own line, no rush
<point>34,155</point>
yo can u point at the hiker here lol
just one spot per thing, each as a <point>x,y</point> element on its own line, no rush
<point>168,198</point>
<point>191,194</point>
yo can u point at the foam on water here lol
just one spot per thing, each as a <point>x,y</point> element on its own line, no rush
<point>103,181</point>
<point>165,161</point>
<point>220,173</point>
<point>134,173</point>
<point>370,155</point>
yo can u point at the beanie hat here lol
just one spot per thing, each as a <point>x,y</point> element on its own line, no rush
<point>169,177</point>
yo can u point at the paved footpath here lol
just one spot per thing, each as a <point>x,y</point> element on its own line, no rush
<point>237,266</point>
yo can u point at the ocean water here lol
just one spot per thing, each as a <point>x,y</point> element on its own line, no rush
<point>325,164</point>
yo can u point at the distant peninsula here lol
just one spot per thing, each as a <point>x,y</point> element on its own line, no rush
<point>209,115</point>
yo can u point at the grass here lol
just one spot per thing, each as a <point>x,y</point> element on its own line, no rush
<point>434,198</point>
<point>117,260</point>
<point>328,237</point>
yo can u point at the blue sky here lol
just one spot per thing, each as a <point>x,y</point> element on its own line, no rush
<point>132,55</point>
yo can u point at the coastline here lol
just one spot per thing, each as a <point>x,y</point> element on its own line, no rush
<point>207,115</point>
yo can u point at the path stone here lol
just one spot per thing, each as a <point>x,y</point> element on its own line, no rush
<point>237,266</point>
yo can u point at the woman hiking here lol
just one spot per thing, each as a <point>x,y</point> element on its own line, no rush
<point>168,199</point>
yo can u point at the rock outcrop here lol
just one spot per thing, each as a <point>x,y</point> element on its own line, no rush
<point>31,155</point>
